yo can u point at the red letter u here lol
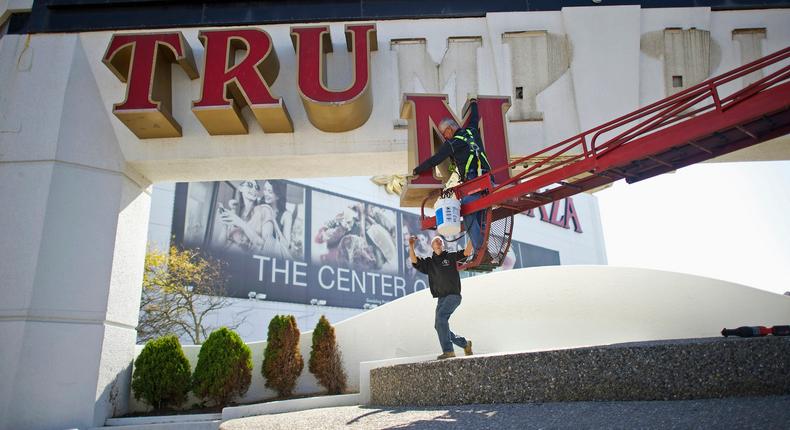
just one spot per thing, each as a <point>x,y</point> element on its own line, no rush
<point>330,110</point>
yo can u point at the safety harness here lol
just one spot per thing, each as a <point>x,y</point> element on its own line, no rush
<point>474,153</point>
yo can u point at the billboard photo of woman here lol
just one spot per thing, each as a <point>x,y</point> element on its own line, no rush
<point>264,217</point>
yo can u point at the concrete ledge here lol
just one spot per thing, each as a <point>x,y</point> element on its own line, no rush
<point>161,419</point>
<point>659,370</point>
<point>212,421</point>
<point>169,422</point>
<point>282,406</point>
<point>187,425</point>
<point>7,7</point>
<point>366,366</point>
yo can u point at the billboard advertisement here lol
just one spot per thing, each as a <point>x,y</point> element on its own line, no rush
<point>300,244</point>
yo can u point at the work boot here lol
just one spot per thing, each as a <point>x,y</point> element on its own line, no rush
<point>446,355</point>
<point>487,258</point>
<point>468,348</point>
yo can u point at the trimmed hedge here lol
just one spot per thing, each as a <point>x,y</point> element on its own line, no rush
<point>325,361</point>
<point>162,373</point>
<point>282,361</point>
<point>224,368</point>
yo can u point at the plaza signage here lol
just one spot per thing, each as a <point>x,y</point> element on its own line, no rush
<point>143,62</point>
<point>239,68</point>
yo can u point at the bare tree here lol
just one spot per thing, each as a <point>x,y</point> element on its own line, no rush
<point>180,289</point>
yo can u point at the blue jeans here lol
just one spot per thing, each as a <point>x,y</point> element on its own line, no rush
<point>474,222</point>
<point>444,308</point>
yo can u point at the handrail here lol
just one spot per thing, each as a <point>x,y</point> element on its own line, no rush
<point>682,106</point>
<point>657,115</point>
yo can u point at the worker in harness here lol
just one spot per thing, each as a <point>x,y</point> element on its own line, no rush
<point>468,158</point>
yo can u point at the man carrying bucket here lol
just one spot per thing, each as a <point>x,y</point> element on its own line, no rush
<point>445,284</point>
<point>465,149</point>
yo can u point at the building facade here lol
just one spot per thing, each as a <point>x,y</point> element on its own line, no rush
<point>326,265</point>
<point>100,100</point>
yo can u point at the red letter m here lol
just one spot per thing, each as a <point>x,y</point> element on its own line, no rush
<point>424,113</point>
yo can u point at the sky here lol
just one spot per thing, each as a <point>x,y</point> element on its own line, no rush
<point>729,221</point>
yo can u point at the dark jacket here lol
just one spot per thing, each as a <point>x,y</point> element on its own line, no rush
<point>459,149</point>
<point>443,277</point>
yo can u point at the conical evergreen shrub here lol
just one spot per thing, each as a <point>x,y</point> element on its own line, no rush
<point>325,361</point>
<point>282,361</point>
<point>224,367</point>
<point>161,373</point>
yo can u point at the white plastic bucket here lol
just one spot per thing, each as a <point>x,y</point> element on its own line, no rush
<point>448,216</point>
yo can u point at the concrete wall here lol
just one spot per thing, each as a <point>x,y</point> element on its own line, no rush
<point>72,240</point>
<point>541,309</point>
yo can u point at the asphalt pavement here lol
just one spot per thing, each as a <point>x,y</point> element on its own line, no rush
<point>763,413</point>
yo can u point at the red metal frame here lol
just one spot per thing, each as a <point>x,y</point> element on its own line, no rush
<point>482,183</point>
<point>676,120</point>
<point>478,257</point>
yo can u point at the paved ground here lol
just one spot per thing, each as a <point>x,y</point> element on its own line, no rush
<point>763,413</point>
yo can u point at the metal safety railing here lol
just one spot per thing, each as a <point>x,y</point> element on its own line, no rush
<point>656,116</point>
<point>580,153</point>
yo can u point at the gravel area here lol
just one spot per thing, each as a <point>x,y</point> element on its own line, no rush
<point>763,413</point>
<point>644,371</point>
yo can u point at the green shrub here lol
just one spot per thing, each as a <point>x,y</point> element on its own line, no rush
<point>282,361</point>
<point>325,362</point>
<point>161,373</point>
<point>224,367</point>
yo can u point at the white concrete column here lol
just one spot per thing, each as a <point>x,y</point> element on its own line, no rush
<point>416,70</point>
<point>750,42</point>
<point>458,70</point>
<point>605,61</point>
<point>455,75</point>
<point>686,58</point>
<point>72,240</point>
<point>537,59</point>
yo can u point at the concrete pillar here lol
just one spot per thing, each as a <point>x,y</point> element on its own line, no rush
<point>686,58</point>
<point>72,240</point>
<point>455,75</point>
<point>458,71</point>
<point>537,59</point>
<point>750,42</point>
<point>416,70</point>
<point>605,61</point>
